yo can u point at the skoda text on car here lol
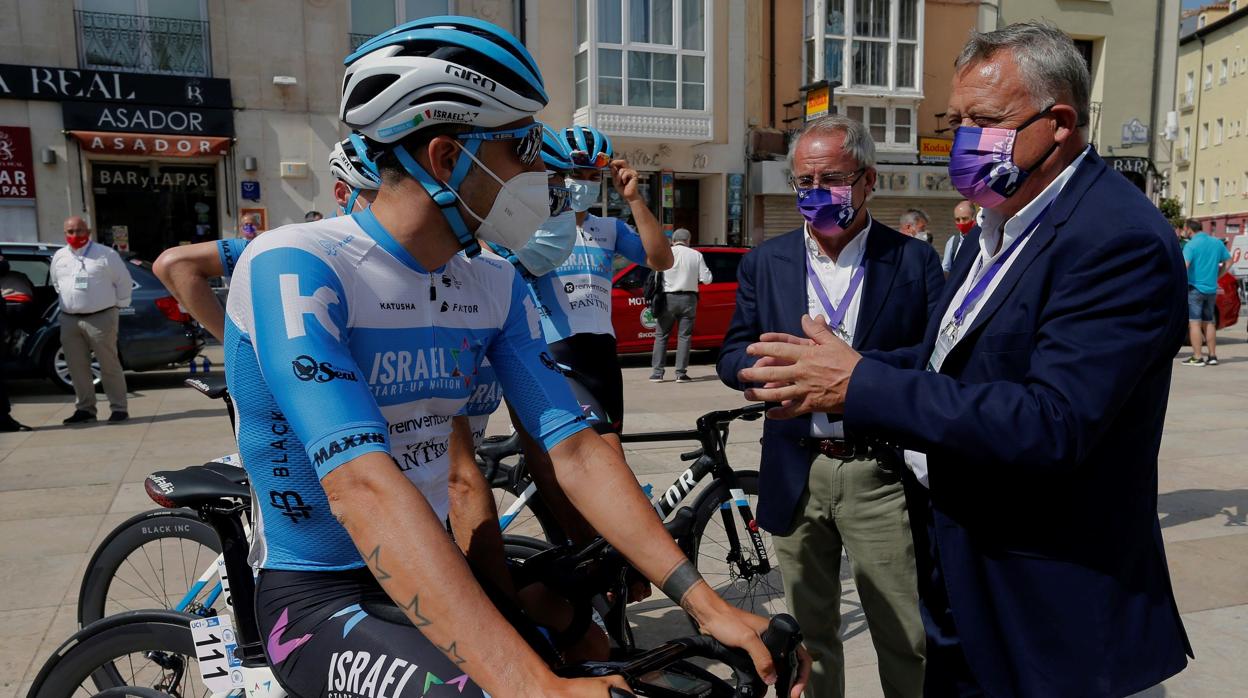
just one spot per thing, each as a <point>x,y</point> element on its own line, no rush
<point>635,325</point>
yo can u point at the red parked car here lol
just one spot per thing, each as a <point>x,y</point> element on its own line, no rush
<point>635,324</point>
<point>1226,305</point>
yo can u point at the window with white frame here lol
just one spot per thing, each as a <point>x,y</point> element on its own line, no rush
<point>1208,76</point>
<point>642,53</point>
<point>889,125</point>
<point>1244,189</point>
<point>1204,135</point>
<point>869,44</point>
<point>372,17</point>
<point>1217,132</point>
<point>1222,73</point>
<point>1200,191</point>
<point>1213,195</point>
<point>1190,85</point>
<point>1187,139</point>
<point>1183,197</point>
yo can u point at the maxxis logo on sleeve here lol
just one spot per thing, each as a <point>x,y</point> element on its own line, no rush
<point>345,444</point>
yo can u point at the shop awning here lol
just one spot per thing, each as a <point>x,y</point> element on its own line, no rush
<point>158,145</point>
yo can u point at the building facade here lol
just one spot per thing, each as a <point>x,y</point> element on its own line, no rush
<point>1131,48</point>
<point>1210,170</point>
<point>167,123</point>
<point>894,71</point>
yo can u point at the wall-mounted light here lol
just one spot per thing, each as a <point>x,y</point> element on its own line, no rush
<point>285,80</point>
<point>249,164</point>
<point>47,156</point>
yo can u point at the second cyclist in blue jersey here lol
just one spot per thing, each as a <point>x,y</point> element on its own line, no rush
<point>352,343</point>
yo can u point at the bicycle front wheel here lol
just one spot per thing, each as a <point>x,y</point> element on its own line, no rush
<point>148,649</point>
<point>152,560</point>
<point>736,557</point>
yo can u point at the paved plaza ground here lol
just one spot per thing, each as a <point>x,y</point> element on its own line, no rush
<point>62,489</point>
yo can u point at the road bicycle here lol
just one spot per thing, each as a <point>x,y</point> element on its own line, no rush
<point>183,654</point>
<point>171,559</point>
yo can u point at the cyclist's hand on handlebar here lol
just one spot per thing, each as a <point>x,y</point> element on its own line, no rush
<point>737,628</point>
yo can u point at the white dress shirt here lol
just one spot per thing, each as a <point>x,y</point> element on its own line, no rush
<point>835,275</point>
<point>996,236</point>
<point>688,270</point>
<point>89,280</point>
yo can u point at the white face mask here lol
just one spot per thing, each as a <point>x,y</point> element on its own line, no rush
<point>584,193</point>
<point>522,204</point>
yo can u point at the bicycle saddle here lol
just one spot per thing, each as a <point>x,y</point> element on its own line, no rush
<point>213,387</point>
<point>496,448</point>
<point>233,473</point>
<point>193,487</point>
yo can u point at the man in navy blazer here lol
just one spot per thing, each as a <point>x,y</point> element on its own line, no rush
<point>1033,409</point>
<point>818,491</point>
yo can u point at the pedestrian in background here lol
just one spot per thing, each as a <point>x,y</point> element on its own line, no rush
<point>964,221</point>
<point>92,283</point>
<point>914,223</point>
<point>13,282</point>
<point>1189,229</point>
<point>1207,260</point>
<point>680,286</point>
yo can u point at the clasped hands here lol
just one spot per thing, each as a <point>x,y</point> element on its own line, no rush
<point>801,374</point>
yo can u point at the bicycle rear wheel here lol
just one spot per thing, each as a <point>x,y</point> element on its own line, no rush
<point>148,649</point>
<point>151,560</point>
<point>723,548</point>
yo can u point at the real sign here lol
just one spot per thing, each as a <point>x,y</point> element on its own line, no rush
<point>59,84</point>
<point>17,171</point>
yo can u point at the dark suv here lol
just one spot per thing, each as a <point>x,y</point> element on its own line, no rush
<point>154,331</point>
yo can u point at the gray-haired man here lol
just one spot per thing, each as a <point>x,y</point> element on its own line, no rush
<point>680,290</point>
<point>823,489</point>
<point>914,223</point>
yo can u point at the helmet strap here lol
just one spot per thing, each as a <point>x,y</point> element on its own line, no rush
<point>355,194</point>
<point>361,151</point>
<point>444,195</point>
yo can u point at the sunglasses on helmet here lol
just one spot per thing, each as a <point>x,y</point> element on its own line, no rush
<point>597,161</point>
<point>529,140</point>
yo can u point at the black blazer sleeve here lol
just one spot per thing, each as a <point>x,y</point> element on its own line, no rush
<point>744,329</point>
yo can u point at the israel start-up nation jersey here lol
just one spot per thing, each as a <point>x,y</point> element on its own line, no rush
<point>338,343</point>
<point>575,298</point>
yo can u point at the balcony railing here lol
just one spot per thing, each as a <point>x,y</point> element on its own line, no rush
<point>144,44</point>
<point>356,39</point>
<point>1187,100</point>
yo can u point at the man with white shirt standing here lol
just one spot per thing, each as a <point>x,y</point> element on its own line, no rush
<point>822,490</point>
<point>1032,411</point>
<point>680,286</point>
<point>92,283</point>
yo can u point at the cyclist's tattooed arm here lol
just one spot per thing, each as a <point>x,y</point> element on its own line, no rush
<point>474,518</point>
<point>680,581</point>
<point>419,567</point>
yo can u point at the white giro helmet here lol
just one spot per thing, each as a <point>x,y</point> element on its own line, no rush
<point>346,165</point>
<point>439,70</point>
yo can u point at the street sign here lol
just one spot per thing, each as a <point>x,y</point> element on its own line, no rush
<point>251,189</point>
<point>817,99</point>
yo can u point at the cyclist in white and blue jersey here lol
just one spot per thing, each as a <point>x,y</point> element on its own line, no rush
<point>575,298</point>
<point>350,345</point>
<point>186,270</point>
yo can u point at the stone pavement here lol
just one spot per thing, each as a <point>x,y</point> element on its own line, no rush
<point>63,489</point>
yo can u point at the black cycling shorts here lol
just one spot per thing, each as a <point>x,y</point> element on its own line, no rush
<point>338,635</point>
<point>595,365</point>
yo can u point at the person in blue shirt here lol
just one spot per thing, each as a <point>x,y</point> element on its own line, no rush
<point>1207,260</point>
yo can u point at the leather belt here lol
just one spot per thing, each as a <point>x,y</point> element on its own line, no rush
<point>851,449</point>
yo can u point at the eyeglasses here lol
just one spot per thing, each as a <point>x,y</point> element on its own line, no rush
<point>528,147</point>
<point>826,180</point>
<point>560,200</point>
<point>597,161</point>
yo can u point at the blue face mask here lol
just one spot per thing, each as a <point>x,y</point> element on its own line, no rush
<point>583,193</point>
<point>550,245</point>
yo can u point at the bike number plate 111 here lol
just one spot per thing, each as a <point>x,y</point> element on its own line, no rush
<point>215,643</point>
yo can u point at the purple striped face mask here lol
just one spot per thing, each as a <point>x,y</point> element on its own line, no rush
<point>981,163</point>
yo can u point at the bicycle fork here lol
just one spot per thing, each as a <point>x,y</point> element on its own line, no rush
<point>735,556</point>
